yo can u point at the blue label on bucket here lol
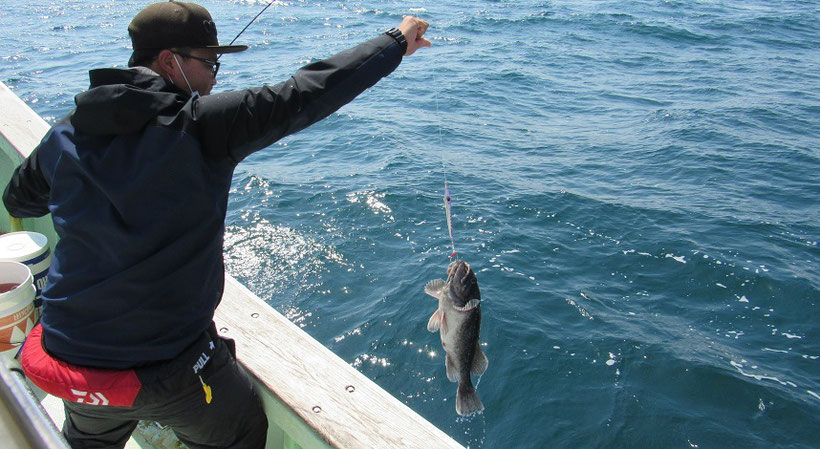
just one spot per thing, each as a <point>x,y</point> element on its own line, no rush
<point>39,258</point>
<point>39,284</point>
<point>40,278</point>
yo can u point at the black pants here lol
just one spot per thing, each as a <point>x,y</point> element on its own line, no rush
<point>172,394</point>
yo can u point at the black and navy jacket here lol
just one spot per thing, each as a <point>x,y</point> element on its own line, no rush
<point>136,179</point>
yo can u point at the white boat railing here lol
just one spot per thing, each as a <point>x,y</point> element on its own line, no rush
<point>312,397</point>
<point>24,422</point>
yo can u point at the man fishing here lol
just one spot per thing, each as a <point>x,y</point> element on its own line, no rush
<point>136,179</point>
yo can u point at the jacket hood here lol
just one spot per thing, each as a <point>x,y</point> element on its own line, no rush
<point>123,101</point>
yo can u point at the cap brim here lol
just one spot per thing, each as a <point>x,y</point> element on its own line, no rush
<point>227,48</point>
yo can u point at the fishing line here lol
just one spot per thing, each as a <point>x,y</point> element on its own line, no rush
<point>447,199</point>
<point>447,202</point>
<point>249,24</point>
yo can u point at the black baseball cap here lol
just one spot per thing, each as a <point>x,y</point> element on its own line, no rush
<point>176,24</point>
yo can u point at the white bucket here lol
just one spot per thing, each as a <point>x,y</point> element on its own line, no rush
<point>31,249</point>
<point>16,306</point>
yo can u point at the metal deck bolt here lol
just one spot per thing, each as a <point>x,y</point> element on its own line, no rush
<point>317,409</point>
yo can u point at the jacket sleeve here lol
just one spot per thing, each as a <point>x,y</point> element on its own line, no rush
<point>236,124</point>
<point>28,192</point>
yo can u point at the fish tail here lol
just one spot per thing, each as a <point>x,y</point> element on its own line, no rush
<point>467,400</point>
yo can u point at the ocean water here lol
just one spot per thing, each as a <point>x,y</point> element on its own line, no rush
<point>635,184</point>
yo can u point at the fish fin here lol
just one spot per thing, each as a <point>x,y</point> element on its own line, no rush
<point>471,304</point>
<point>435,287</point>
<point>444,327</point>
<point>435,321</point>
<point>480,361</point>
<point>467,400</point>
<point>452,372</point>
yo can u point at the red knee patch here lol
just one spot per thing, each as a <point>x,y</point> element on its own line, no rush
<point>93,386</point>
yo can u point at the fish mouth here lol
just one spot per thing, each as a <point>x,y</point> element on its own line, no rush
<point>462,284</point>
<point>458,266</point>
<point>459,273</point>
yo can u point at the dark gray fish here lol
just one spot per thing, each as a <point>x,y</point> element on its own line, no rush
<point>458,317</point>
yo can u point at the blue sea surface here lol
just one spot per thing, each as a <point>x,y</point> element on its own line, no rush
<point>635,184</point>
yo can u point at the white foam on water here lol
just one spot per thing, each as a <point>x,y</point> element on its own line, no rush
<point>782,351</point>
<point>739,368</point>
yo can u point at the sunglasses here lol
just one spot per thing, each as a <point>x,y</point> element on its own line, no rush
<point>214,65</point>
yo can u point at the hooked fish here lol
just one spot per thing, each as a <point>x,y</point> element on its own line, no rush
<point>458,317</point>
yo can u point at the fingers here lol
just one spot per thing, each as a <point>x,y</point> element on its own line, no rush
<point>413,29</point>
<point>421,26</point>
